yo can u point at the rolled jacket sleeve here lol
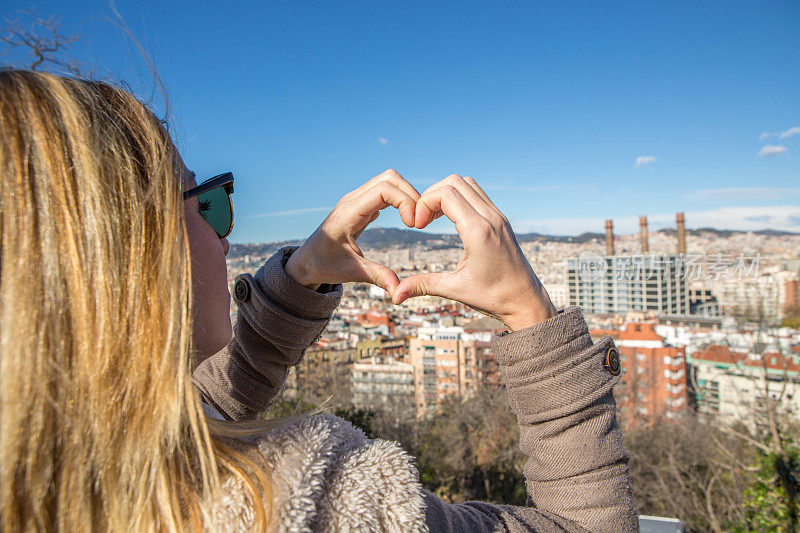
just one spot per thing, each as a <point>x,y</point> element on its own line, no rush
<point>277,320</point>
<point>560,386</point>
<point>561,389</point>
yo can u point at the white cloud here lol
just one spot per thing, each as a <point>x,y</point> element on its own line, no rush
<point>383,140</point>
<point>745,193</point>
<point>291,212</point>
<point>770,150</point>
<point>749,218</point>
<point>790,132</point>
<point>643,160</point>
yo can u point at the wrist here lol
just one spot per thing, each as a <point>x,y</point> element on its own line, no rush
<point>299,269</point>
<point>529,314</point>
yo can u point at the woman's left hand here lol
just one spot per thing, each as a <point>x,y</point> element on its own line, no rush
<point>331,255</point>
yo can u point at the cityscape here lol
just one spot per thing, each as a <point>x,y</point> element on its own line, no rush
<point>697,316</point>
<point>707,324</point>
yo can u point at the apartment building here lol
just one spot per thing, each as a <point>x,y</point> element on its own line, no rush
<point>384,383</point>
<point>443,365</point>
<point>647,282</point>
<point>619,284</point>
<point>756,298</point>
<point>396,348</point>
<point>481,331</point>
<point>791,304</point>
<point>323,371</point>
<point>738,385</point>
<point>654,385</point>
<point>488,371</point>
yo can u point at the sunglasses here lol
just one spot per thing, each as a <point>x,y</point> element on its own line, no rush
<point>214,202</point>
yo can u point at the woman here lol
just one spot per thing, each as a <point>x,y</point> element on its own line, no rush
<point>100,328</point>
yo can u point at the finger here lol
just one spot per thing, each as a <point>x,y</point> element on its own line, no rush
<point>377,274</point>
<point>393,177</point>
<point>372,219</point>
<point>469,194</point>
<point>474,184</point>
<point>371,182</point>
<point>440,284</point>
<point>401,183</point>
<point>437,214</point>
<point>442,182</point>
<point>398,181</point>
<point>451,203</point>
<point>383,195</point>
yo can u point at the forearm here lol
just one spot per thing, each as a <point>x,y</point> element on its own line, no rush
<point>577,470</point>
<point>277,320</point>
<point>561,390</point>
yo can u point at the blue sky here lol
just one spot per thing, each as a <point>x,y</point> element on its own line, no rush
<point>549,105</point>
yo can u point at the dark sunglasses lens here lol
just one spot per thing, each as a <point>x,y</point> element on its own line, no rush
<point>215,207</point>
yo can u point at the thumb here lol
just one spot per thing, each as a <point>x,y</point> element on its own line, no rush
<point>440,284</point>
<point>379,275</point>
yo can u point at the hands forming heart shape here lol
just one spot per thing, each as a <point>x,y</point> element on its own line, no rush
<point>493,276</point>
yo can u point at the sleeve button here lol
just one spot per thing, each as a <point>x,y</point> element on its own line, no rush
<point>241,290</point>
<point>612,361</point>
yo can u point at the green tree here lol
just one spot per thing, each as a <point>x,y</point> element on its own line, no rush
<point>771,501</point>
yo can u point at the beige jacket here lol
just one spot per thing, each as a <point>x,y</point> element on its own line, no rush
<point>327,476</point>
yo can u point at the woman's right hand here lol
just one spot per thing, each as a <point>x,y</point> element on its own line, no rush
<point>493,276</point>
<point>331,255</point>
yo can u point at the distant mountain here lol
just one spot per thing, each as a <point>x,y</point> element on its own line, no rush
<point>382,237</point>
<point>387,237</point>
<point>539,237</point>
<point>371,238</point>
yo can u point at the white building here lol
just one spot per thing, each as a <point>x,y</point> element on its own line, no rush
<point>622,283</point>
<point>559,294</point>
<point>378,293</point>
<point>749,298</point>
<point>384,383</point>
<point>730,385</point>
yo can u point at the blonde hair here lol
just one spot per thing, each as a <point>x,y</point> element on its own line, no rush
<point>100,427</point>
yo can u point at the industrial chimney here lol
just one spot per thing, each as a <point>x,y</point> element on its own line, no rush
<point>643,234</point>
<point>609,237</point>
<point>681,234</point>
